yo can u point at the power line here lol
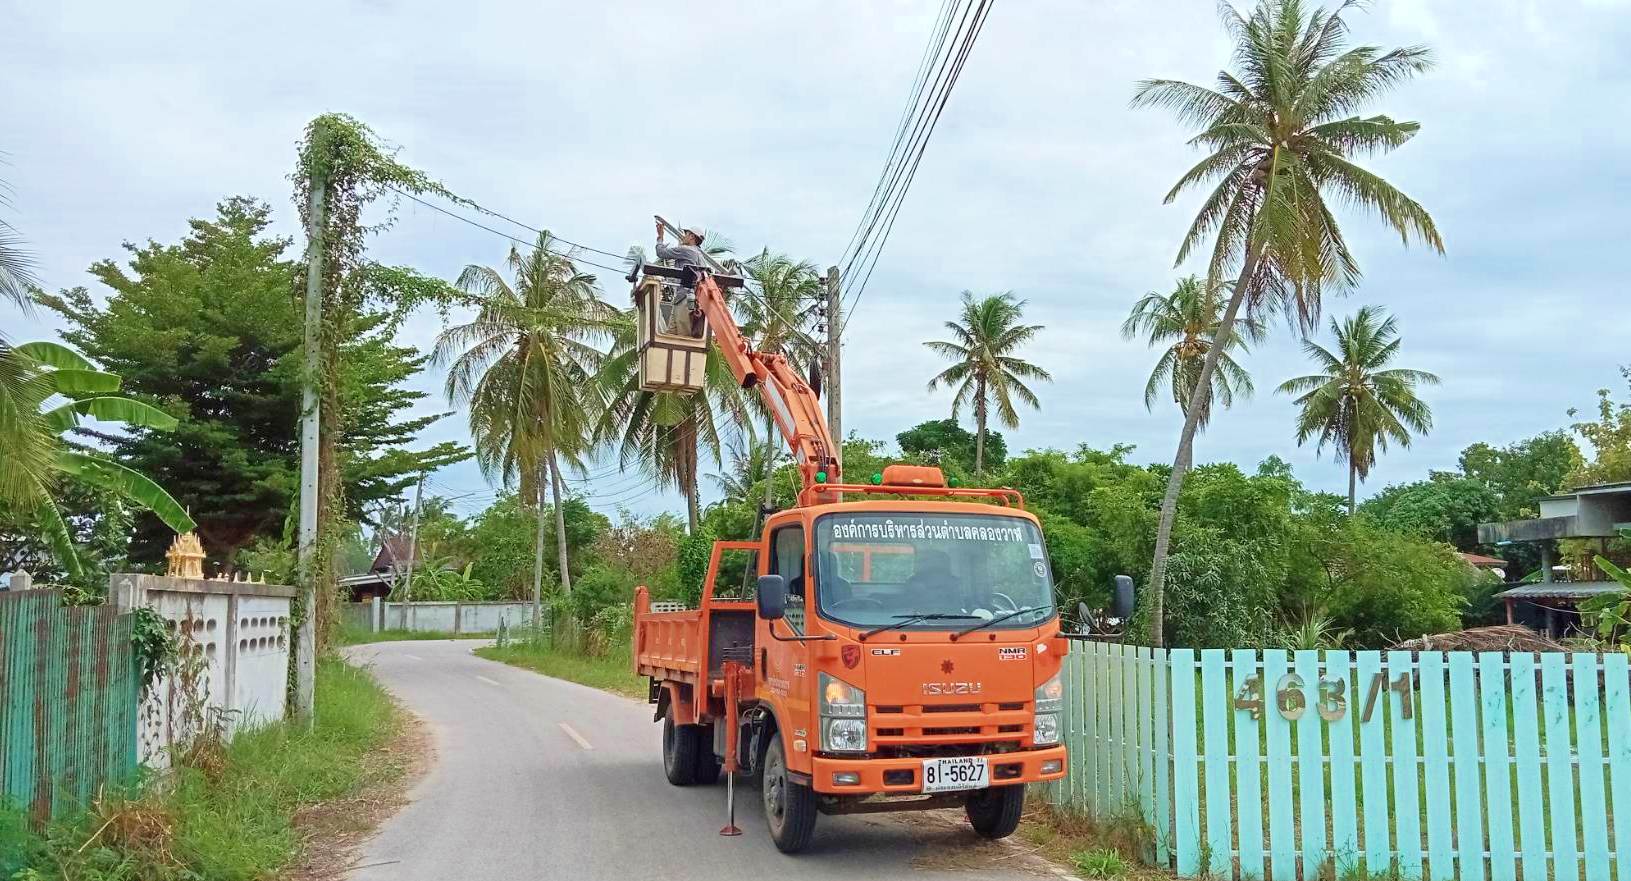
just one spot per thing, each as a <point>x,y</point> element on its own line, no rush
<point>931,49</point>
<point>505,235</point>
<point>950,68</point>
<point>491,213</point>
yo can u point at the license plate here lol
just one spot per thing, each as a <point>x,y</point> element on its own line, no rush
<point>950,775</point>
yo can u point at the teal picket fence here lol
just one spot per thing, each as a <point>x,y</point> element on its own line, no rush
<point>68,694</point>
<point>1305,765</point>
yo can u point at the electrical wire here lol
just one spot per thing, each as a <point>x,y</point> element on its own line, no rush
<point>949,70</point>
<point>500,233</point>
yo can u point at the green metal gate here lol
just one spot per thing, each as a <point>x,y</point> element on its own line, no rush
<point>68,695</point>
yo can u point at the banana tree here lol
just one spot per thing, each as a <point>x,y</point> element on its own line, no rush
<point>51,370</point>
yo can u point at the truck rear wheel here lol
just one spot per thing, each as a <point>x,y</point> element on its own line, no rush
<point>790,808</point>
<point>682,747</point>
<point>708,764</point>
<point>995,812</point>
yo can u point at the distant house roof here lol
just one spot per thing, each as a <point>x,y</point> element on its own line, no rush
<point>393,552</point>
<point>1562,590</point>
<point>1483,562</point>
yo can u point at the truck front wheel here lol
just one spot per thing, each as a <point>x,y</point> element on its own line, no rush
<point>683,746</point>
<point>995,812</point>
<point>790,808</point>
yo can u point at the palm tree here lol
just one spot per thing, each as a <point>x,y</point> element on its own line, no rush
<point>1189,319</point>
<point>666,433</point>
<point>984,368</point>
<point>777,318</point>
<point>1356,403</point>
<point>524,366</point>
<point>23,434</point>
<point>1280,136</point>
<point>44,370</point>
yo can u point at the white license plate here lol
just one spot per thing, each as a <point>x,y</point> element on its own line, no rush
<point>950,775</point>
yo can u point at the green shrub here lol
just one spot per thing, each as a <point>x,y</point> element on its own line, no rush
<point>1100,863</point>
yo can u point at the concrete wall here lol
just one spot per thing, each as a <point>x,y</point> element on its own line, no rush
<point>437,617</point>
<point>239,639</point>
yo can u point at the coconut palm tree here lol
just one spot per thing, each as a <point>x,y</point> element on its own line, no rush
<point>47,370</point>
<point>524,365</point>
<point>1281,133</point>
<point>23,435</point>
<point>1188,319</point>
<point>777,317</point>
<point>1356,403</point>
<point>985,369</point>
<point>665,434</point>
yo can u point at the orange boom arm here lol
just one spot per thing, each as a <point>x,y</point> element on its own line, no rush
<point>792,403</point>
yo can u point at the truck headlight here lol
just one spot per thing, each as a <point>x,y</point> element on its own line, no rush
<point>1050,700</point>
<point>843,715</point>
<point>1047,729</point>
<point>843,735</point>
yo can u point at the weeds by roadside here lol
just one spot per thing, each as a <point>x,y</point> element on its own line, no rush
<point>1097,849</point>
<point>612,672</point>
<point>361,636</point>
<point>232,818</point>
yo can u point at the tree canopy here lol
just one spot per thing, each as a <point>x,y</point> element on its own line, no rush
<point>207,330</point>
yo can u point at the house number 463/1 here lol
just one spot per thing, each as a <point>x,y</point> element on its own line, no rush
<point>1331,696</point>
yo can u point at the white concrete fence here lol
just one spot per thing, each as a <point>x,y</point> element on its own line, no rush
<point>452,618</point>
<point>238,639</point>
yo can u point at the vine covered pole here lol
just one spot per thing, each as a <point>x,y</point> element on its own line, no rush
<point>306,641</point>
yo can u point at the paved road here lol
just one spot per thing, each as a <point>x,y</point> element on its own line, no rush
<point>536,778</point>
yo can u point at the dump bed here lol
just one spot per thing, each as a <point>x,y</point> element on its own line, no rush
<point>676,644</point>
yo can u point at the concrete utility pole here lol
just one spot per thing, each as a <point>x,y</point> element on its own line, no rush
<point>835,376</point>
<point>413,541</point>
<point>310,428</point>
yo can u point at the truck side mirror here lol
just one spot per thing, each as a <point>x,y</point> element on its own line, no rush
<point>1123,602</point>
<point>772,597</point>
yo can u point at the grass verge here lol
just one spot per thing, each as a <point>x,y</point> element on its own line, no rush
<point>360,636</point>
<point>1092,848</point>
<point>231,812</point>
<point>612,673</point>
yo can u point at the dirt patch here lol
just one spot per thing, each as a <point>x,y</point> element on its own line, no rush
<point>332,832</point>
<point>949,844</point>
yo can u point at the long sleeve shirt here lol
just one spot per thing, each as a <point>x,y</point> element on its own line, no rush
<point>681,255</point>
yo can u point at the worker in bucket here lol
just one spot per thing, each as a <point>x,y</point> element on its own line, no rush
<point>684,316</point>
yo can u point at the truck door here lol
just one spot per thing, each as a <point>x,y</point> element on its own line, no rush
<point>786,675</point>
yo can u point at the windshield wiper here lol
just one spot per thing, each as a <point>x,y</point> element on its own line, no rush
<point>998,620</point>
<point>909,620</point>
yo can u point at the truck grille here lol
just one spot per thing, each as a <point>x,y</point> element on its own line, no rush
<point>950,729</point>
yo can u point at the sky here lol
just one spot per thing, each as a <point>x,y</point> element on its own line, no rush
<point>770,122</point>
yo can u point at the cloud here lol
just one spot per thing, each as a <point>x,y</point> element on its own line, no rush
<point>769,122</point>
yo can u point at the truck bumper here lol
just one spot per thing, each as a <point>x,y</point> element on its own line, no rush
<point>906,775</point>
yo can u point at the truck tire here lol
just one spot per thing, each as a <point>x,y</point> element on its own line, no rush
<point>790,808</point>
<point>681,746</point>
<point>995,812</point>
<point>708,765</point>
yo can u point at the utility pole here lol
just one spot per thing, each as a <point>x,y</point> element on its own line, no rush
<point>310,428</point>
<point>413,542</point>
<point>835,376</point>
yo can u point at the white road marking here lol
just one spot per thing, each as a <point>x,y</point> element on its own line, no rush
<point>576,737</point>
<point>412,657</point>
<point>488,681</point>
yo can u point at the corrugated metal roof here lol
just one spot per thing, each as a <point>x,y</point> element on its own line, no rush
<point>1561,590</point>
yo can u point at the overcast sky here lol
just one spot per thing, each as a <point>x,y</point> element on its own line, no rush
<point>770,121</point>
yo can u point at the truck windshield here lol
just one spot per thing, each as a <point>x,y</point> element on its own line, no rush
<point>878,569</point>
